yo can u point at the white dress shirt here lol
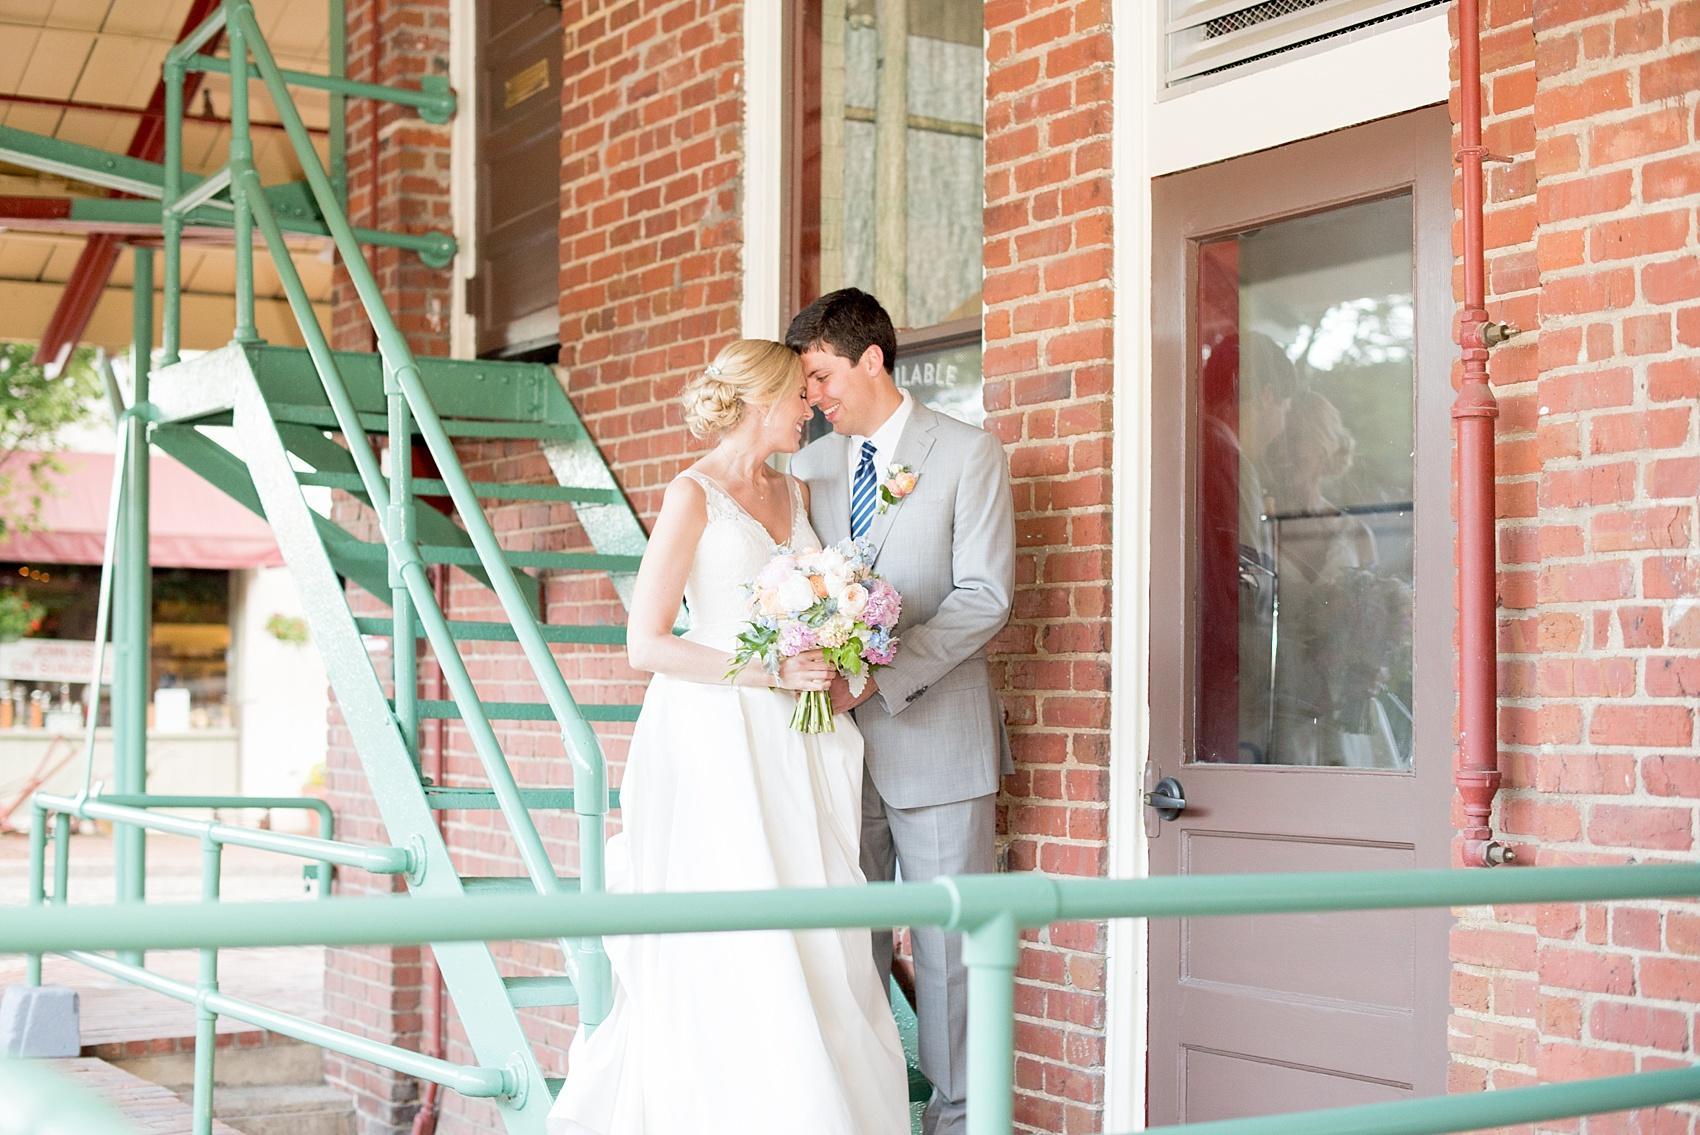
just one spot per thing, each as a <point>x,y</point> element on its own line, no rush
<point>885,441</point>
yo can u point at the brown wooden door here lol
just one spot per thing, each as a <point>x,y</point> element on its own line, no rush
<point>514,292</point>
<point>1300,691</point>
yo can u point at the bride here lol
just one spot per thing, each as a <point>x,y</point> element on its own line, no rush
<point>763,1031</point>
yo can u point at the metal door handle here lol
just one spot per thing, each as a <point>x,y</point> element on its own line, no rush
<point>1168,798</point>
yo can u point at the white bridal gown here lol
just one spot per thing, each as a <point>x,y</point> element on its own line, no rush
<point>757,1032</point>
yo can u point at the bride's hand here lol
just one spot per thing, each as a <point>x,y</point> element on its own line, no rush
<point>806,671</point>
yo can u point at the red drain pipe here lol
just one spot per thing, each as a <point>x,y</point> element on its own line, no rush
<point>1476,771</point>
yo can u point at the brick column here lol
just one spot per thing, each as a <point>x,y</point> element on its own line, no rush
<point>1047,364</point>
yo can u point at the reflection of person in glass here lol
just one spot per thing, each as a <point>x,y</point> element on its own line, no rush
<point>1334,616</point>
<point>1248,384</point>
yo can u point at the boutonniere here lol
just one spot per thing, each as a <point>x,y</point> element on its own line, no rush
<point>899,482</point>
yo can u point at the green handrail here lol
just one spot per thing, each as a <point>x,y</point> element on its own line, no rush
<point>991,910</point>
<point>378,860</point>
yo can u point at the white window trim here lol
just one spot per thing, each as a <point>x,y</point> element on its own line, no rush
<point>1355,81</point>
<point>762,316</point>
<point>463,174</point>
<point>1324,88</point>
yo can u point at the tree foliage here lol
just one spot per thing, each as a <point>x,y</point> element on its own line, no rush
<point>33,410</point>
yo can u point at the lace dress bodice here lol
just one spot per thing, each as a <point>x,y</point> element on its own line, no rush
<point>733,549</point>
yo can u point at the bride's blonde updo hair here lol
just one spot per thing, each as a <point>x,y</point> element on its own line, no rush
<point>746,372</point>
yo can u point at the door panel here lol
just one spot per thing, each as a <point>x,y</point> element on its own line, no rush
<point>515,290</point>
<point>1302,694</point>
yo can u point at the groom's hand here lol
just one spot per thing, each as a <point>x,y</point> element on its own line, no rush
<point>843,701</point>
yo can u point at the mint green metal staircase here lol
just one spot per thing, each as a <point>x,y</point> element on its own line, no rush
<point>313,418</point>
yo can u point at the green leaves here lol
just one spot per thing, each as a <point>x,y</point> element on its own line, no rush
<point>33,409</point>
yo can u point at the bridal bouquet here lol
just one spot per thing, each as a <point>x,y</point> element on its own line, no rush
<point>831,600</point>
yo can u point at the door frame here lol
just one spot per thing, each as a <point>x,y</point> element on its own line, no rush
<point>1389,72</point>
<point>1409,153</point>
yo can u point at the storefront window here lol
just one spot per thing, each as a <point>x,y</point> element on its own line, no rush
<point>44,674</point>
<point>892,178</point>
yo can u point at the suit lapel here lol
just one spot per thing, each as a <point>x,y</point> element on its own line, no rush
<point>913,446</point>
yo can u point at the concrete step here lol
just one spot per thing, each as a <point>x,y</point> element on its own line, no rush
<point>276,1060</point>
<point>283,1109</point>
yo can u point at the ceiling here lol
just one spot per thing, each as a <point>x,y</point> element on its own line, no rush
<point>80,70</point>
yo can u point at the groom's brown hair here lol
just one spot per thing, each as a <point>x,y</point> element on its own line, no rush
<point>847,322</point>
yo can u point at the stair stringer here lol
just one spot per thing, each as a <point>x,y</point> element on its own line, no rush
<point>613,529</point>
<point>469,969</point>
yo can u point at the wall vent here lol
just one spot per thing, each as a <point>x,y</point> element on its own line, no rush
<point>1206,37</point>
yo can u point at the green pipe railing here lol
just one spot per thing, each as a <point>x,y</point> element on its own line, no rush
<point>327,819</point>
<point>366,857</point>
<point>434,102</point>
<point>468,1080</point>
<point>990,910</point>
<point>132,812</point>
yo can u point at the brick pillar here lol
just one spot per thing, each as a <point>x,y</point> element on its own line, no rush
<point>1592,235</point>
<point>398,170</point>
<point>1047,364</point>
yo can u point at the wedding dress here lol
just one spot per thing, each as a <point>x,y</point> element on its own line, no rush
<point>755,1032</point>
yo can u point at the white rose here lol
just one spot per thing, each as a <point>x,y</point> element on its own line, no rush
<point>836,580</point>
<point>769,603</point>
<point>796,595</point>
<point>852,601</point>
<point>834,632</point>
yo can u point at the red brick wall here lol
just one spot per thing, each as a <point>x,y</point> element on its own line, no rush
<point>1048,377</point>
<point>398,175</point>
<point>1592,239</point>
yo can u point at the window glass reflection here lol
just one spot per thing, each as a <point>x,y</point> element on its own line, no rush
<point>1304,539</point>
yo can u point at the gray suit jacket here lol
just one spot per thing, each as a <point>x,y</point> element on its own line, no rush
<point>935,731</point>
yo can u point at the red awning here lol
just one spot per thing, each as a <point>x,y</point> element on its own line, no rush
<point>193,525</point>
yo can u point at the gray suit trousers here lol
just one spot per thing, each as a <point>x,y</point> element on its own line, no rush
<point>958,838</point>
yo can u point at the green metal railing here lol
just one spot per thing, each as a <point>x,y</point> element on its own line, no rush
<point>991,911</point>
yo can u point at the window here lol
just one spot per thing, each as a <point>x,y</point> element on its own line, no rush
<point>44,675</point>
<point>1306,339</point>
<point>890,178</point>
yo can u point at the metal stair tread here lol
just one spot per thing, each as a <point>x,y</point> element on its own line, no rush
<point>470,799</point>
<point>486,490</point>
<point>466,556</point>
<point>540,992</point>
<point>377,425</point>
<point>509,884</point>
<point>472,630</point>
<point>526,710</point>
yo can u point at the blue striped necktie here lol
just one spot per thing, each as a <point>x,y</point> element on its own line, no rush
<point>862,493</point>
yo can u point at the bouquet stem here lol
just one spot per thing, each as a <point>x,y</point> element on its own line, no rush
<point>813,713</point>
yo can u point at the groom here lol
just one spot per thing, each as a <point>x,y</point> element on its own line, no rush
<point>931,721</point>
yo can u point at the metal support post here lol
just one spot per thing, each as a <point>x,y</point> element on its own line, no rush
<point>206,1021</point>
<point>171,221</point>
<point>61,859</point>
<point>241,156</point>
<point>135,586</point>
<point>990,951</point>
<point>398,533</point>
<point>37,883</point>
